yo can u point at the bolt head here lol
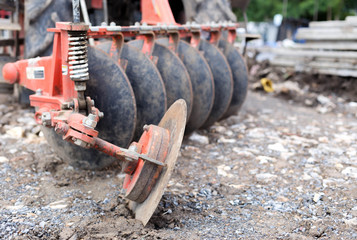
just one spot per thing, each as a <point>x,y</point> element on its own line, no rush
<point>39,92</point>
<point>146,127</point>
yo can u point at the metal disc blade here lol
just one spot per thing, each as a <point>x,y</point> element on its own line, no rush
<point>174,120</point>
<point>173,73</point>
<point>109,87</point>
<point>147,84</point>
<point>240,77</point>
<point>202,83</point>
<point>223,82</point>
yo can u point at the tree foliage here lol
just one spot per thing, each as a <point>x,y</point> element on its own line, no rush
<point>263,10</point>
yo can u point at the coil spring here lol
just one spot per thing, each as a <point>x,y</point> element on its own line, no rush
<point>77,56</point>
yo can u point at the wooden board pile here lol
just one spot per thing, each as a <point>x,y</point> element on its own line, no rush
<point>330,47</point>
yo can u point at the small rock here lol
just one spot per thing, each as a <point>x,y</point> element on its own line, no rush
<point>265,177</point>
<point>286,155</point>
<point>16,132</point>
<point>234,202</point>
<point>265,159</point>
<point>350,172</point>
<point>219,129</point>
<point>42,224</point>
<point>3,159</point>
<point>344,138</point>
<point>277,147</point>
<point>288,87</point>
<point>36,130</point>
<point>256,132</point>
<point>338,166</point>
<point>352,104</point>
<point>317,229</point>
<point>323,139</point>
<point>317,197</point>
<point>308,102</point>
<point>323,110</point>
<point>324,100</point>
<point>15,207</point>
<point>351,222</point>
<point>195,137</point>
<point>223,169</point>
<point>243,154</point>
<point>226,140</point>
<point>282,199</point>
<point>58,204</point>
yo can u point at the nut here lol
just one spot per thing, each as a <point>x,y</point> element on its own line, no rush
<point>46,119</point>
<point>80,143</point>
<point>90,121</point>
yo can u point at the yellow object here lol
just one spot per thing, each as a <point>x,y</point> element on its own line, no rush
<point>267,84</point>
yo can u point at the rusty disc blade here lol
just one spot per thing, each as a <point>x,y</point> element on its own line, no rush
<point>202,83</point>
<point>109,87</point>
<point>147,84</point>
<point>223,82</point>
<point>174,121</point>
<point>155,143</point>
<point>173,72</point>
<point>240,76</point>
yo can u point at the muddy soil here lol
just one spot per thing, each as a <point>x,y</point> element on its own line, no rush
<point>277,170</point>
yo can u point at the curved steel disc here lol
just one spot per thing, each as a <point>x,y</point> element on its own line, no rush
<point>202,83</point>
<point>223,82</point>
<point>240,77</point>
<point>147,84</point>
<point>109,87</point>
<point>174,120</point>
<point>173,73</point>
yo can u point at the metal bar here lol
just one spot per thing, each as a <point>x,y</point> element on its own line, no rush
<point>16,18</point>
<point>76,12</point>
<point>105,11</point>
<point>122,154</point>
<point>85,12</point>
<point>86,18</point>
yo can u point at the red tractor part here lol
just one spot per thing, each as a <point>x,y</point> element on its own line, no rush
<point>114,89</point>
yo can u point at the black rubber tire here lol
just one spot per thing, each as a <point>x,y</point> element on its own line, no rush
<point>202,11</point>
<point>40,15</point>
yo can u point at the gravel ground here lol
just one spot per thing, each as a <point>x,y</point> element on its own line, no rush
<point>278,170</point>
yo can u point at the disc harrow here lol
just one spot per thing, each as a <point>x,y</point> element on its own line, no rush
<point>119,89</point>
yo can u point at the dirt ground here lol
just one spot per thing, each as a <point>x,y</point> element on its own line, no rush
<point>277,170</point>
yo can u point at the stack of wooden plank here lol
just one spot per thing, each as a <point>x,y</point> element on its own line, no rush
<point>330,47</point>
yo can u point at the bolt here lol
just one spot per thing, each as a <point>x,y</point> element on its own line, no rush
<point>103,24</point>
<point>67,105</point>
<point>90,121</point>
<point>100,114</point>
<point>146,127</point>
<point>61,128</point>
<point>79,142</point>
<point>46,119</point>
<point>91,116</point>
<point>133,148</point>
<point>112,24</point>
<point>39,92</point>
<point>92,102</point>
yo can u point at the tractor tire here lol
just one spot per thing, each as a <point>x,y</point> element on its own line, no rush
<point>202,11</point>
<point>40,15</point>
